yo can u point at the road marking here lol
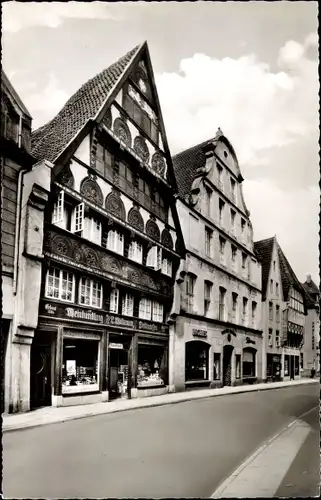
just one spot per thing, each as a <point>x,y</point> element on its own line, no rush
<point>261,474</point>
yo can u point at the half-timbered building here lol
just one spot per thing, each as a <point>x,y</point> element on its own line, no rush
<point>112,243</point>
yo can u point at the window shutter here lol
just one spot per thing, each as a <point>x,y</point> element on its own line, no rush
<point>152,258</point>
<point>78,218</point>
<point>58,211</point>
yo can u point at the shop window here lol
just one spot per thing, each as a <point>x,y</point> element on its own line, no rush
<point>92,230</point>
<point>238,366</point>
<point>217,366</point>
<point>208,286</point>
<point>60,285</point>
<point>208,241</point>
<point>80,366</point>
<point>167,267</point>
<point>135,252</point>
<point>248,363</point>
<point>286,365</point>
<point>196,360</point>
<point>115,242</point>
<point>145,308</point>
<point>128,305</point>
<point>151,367</point>
<point>90,293</point>
<point>114,300</point>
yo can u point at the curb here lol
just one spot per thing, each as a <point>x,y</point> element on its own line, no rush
<point>152,404</point>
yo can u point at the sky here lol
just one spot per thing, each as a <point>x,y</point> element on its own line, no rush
<point>250,68</point>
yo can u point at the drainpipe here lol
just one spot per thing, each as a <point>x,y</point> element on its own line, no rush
<point>18,225</point>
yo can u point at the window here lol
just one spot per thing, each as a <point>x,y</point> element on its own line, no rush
<point>274,265</point>
<point>208,199</point>
<point>140,116</point>
<point>244,260</point>
<point>207,296</point>
<point>238,366</point>
<point>234,307</point>
<point>244,310</point>
<point>254,308</point>
<point>151,366</point>
<point>80,365</point>
<point>270,311</point>
<point>154,257</point>
<point>58,210</point>
<point>114,300</point>
<point>104,162</point>
<point>277,313</point>
<point>196,360</point>
<point>221,206</point>
<point>60,285</point>
<point>90,292</point>
<point>296,300</point>
<point>217,366</point>
<point>222,248</point>
<point>277,289</point>
<point>135,251</point>
<point>271,286</point>
<point>208,241</point>
<point>219,175</point>
<point>277,338</point>
<point>78,218</point>
<point>222,295</point>
<point>233,190</point>
<point>242,226</point>
<point>145,308</point>
<point>167,267</point>
<point>92,230</point>
<point>158,312</point>
<point>270,339</point>
<point>128,305</point>
<point>115,242</point>
<point>248,363</point>
<point>189,290</point>
<point>233,215</point>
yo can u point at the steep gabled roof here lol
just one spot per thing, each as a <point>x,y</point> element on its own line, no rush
<point>288,276</point>
<point>6,83</point>
<point>51,139</point>
<point>263,250</point>
<point>311,288</point>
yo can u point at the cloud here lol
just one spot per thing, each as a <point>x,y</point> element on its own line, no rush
<point>18,15</point>
<point>256,108</point>
<point>292,216</point>
<point>45,104</point>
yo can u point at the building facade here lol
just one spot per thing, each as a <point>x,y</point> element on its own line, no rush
<point>111,244</point>
<point>310,357</point>
<point>216,338</point>
<point>283,313</point>
<point>16,162</point>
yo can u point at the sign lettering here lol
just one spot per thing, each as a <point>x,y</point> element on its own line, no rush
<point>199,333</point>
<point>115,345</point>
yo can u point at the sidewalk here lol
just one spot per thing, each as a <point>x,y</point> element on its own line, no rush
<point>51,415</point>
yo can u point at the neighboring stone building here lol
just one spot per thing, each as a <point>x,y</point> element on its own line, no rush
<point>95,303</point>
<point>16,165</point>
<point>217,338</point>
<point>283,313</point>
<point>310,357</point>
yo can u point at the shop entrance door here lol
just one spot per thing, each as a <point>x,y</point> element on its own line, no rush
<point>40,376</point>
<point>291,359</point>
<point>118,373</point>
<point>227,364</point>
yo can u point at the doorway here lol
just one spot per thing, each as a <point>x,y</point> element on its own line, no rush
<point>227,364</point>
<point>118,373</point>
<point>40,376</point>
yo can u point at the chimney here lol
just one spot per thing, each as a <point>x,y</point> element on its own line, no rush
<point>309,278</point>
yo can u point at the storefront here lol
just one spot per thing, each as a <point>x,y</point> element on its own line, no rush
<point>291,365</point>
<point>96,356</point>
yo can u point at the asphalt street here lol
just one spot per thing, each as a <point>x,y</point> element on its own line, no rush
<point>180,450</point>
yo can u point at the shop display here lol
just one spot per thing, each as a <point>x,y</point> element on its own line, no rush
<point>80,365</point>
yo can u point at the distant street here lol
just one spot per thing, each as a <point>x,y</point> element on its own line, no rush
<point>180,450</point>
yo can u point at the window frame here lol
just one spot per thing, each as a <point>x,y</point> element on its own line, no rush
<point>60,286</point>
<point>92,284</point>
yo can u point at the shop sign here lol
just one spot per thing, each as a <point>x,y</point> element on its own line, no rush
<point>199,333</point>
<point>50,309</point>
<point>115,345</point>
<point>115,320</point>
<point>74,313</point>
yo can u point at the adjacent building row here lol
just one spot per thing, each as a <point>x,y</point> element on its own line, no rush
<point>129,273</point>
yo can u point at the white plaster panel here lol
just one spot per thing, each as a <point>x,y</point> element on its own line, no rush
<point>83,151</point>
<point>7,297</point>
<point>79,172</point>
<point>119,97</point>
<point>104,186</point>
